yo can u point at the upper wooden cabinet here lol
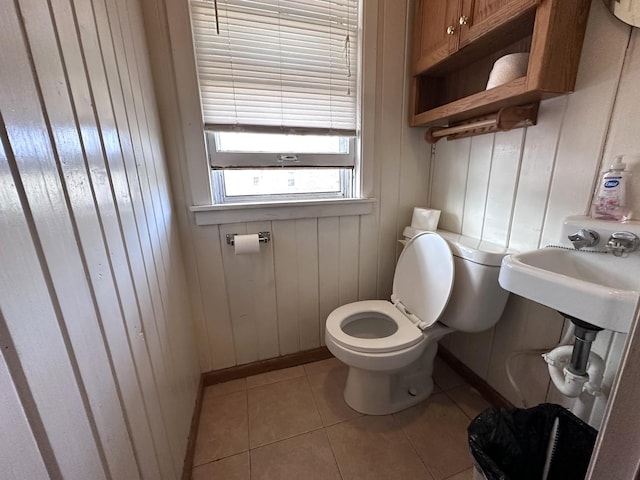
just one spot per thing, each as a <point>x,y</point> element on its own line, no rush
<point>456,42</point>
<point>435,32</point>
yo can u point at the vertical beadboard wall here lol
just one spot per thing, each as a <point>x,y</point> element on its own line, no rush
<point>514,189</point>
<point>98,373</point>
<point>248,308</point>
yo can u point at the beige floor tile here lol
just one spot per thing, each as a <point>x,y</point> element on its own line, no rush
<point>469,400</point>
<point>275,376</point>
<point>437,429</point>
<point>230,468</point>
<point>223,429</point>
<point>306,456</point>
<point>322,366</point>
<point>226,388</point>
<point>374,448</point>
<point>444,376</point>
<point>281,410</point>
<point>466,475</point>
<point>327,379</point>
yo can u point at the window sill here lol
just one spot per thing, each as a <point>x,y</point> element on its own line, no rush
<point>255,212</point>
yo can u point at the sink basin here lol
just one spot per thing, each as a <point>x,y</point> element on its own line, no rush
<point>599,288</point>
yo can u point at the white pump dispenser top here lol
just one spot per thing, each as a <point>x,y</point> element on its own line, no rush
<point>618,164</point>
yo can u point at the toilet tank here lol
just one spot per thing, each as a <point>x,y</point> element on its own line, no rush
<point>477,300</point>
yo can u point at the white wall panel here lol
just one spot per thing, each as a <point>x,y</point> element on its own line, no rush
<point>450,181</point>
<point>503,182</point>
<point>107,383</point>
<point>19,452</point>
<point>533,178</point>
<point>475,195</point>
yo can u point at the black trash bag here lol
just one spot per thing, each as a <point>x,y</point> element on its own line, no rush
<point>513,444</point>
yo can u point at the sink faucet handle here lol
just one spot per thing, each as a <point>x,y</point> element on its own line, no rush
<point>623,242</point>
<point>584,238</point>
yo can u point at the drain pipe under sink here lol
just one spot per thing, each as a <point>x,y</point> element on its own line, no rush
<point>576,371</point>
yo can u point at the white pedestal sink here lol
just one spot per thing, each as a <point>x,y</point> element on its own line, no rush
<point>598,288</point>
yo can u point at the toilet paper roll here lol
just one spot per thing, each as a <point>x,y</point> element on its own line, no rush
<point>244,244</point>
<point>508,68</point>
<point>425,218</point>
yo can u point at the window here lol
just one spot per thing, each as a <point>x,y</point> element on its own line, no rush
<point>278,87</point>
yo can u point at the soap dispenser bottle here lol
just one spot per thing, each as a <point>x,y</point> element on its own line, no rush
<point>611,199</point>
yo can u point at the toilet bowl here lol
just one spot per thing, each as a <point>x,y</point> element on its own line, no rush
<point>443,282</point>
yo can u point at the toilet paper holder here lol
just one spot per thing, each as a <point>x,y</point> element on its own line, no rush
<point>263,237</point>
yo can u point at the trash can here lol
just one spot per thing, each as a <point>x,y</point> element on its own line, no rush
<point>544,442</point>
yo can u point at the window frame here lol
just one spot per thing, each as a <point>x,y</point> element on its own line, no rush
<point>220,197</point>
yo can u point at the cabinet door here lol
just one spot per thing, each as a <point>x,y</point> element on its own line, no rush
<point>435,33</point>
<point>481,16</point>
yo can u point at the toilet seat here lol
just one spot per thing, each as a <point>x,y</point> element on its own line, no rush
<point>406,335</point>
<point>422,286</point>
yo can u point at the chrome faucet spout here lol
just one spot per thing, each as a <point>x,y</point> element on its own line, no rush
<point>584,238</point>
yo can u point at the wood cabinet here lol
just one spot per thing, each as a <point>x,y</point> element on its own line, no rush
<point>456,42</point>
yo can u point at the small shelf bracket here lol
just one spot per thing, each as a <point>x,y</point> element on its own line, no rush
<point>505,119</point>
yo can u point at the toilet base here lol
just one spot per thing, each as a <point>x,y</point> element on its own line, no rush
<point>382,393</point>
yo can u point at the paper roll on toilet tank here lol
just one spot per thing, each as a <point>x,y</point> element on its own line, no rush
<point>425,218</point>
<point>244,244</point>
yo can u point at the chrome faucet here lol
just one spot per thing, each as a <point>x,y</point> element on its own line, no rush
<point>584,238</point>
<point>623,242</point>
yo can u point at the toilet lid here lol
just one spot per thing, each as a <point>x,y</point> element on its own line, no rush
<point>424,276</point>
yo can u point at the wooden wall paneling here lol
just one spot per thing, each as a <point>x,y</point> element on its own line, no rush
<point>173,277</point>
<point>388,148</point>
<point>286,272</point>
<point>348,267</point>
<point>151,227</point>
<point>538,159</point>
<point>586,120</point>
<point>367,261</point>
<point>542,330</point>
<point>450,181</point>
<point>613,359</point>
<point>152,202</point>
<point>264,296</point>
<point>308,272</point>
<point>179,48</point>
<point>506,337</point>
<point>473,349</point>
<point>30,316</point>
<point>217,337</point>
<point>180,345</point>
<point>251,287</point>
<point>503,184</point>
<point>93,231</point>
<point>169,109</point>
<point>415,152</point>
<point>35,158</point>
<point>622,137</point>
<point>134,158</point>
<point>329,268</point>
<point>295,244</point>
<point>20,455</point>
<point>146,345</point>
<point>475,197</point>
<point>118,73</point>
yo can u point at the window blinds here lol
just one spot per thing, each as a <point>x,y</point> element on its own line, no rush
<point>278,65</point>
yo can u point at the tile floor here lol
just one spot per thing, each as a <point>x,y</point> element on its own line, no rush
<point>294,424</point>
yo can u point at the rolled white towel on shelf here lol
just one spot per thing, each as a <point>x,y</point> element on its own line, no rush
<point>508,68</point>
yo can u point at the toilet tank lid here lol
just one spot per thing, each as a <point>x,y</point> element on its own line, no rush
<point>469,248</point>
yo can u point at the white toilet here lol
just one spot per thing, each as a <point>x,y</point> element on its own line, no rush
<point>443,282</point>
